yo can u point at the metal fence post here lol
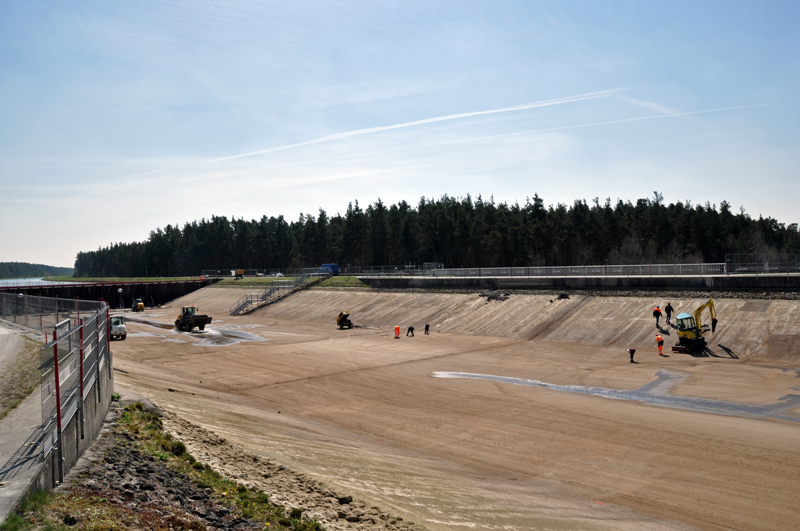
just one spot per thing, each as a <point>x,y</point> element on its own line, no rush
<point>80,398</point>
<point>58,408</point>
<point>97,354</point>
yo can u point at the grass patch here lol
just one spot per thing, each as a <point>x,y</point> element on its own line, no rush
<point>253,281</point>
<point>115,279</point>
<point>332,282</point>
<point>20,376</point>
<point>83,509</point>
<point>342,282</point>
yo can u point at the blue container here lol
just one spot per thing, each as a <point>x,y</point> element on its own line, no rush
<point>333,267</point>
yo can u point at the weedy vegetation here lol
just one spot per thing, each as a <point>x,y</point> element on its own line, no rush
<point>83,509</point>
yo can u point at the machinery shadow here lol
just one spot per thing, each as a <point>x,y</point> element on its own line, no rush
<point>728,351</point>
<point>708,353</point>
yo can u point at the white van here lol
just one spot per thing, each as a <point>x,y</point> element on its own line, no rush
<point>118,328</point>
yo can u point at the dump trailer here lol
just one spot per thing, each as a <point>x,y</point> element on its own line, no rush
<point>691,328</point>
<point>138,305</point>
<point>344,320</point>
<point>190,318</point>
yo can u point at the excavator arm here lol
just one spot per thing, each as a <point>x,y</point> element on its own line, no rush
<point>712,312</point>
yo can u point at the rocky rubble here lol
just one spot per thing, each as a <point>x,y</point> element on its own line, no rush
<point>284,486</point>
<point>152,495</point>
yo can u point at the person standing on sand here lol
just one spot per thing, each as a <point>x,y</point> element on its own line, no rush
<point>660,342</point>
<point>657,315</point>
<point>668,310</point>
<point>631,351</point>
<point>427,329</point>
<point>397,332</point>
<point>410,331</point>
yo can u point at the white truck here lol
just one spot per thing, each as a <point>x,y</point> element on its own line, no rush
<point>118,328</point>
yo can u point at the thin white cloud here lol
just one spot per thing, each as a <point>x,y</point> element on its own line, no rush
<point>534,131</point>
<point>338,136</point>
<point>655,107</point>
<point>595,124</point>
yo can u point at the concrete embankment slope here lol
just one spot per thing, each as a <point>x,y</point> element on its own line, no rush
<point>747,328</point>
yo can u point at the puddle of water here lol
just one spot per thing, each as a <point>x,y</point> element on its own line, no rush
<point>143,334</point>
<point>655,393</point>
<point>210,337</point>
<point>221,338</point>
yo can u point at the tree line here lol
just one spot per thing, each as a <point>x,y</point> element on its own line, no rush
<point>459,232</point>
<point>27,270</point>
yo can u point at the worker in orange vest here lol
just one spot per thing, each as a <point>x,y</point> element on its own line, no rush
<point>657,314</point>
<point>660,341</point>
<point>397,332</point>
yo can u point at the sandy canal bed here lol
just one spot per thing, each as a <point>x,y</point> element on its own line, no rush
<point>515,414</point>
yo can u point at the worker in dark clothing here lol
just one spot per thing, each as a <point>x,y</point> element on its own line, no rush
<point>657,315</point>
<point>632,351</point>
<point>668,310</point>
<point>410,331</point>
<point>427,329</point>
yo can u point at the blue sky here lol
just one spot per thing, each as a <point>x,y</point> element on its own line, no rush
<point>120,117</point>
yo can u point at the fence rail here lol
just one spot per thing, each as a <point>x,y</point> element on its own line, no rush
<point>557,271</point>
<point>788,266</point>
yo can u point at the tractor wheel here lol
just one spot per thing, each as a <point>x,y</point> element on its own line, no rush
<point>178,325</point>
<point>202,327</point>
<point>123,337</point>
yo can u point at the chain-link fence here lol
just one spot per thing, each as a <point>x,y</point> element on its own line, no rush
<point>70,365</point>
<point>44,313</point>
<point>75,356</point>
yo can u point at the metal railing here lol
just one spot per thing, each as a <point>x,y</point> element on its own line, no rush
<point>559,271</point>
<point>634,270</point>
<point>278,289</point>
<point>790,264</point>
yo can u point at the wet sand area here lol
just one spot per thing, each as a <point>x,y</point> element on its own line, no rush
<point>545,426</point>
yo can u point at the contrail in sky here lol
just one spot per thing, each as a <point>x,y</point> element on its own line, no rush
<point>595,124</point>
<point>337,136</point>
<point>577,126</point>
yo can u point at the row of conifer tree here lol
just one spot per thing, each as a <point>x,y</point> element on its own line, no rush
<point>459,232</point>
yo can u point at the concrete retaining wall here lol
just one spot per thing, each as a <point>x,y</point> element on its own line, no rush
<point>149,292</point>
<point>740,282</point>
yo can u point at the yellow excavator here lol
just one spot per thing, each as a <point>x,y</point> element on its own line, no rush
<point>691,329</point>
